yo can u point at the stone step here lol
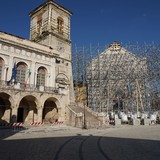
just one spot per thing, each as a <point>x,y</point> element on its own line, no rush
<point>91,120</point>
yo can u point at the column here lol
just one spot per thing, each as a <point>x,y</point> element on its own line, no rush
<point>6,115</point>
<point>35,117</point>
<point>32,77</point>
<point>30,116</point>
<point>40,113</point>
<point>11,63</point>
<point>49,18</point>
<point>5,73</point>
<point>48,76</point>
<point>14,115</point>
<point>61,114</point>
<point>52,73</point>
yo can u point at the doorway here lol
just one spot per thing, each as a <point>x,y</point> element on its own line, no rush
<point>20,114</point>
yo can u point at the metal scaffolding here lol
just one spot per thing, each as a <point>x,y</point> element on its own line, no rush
<point>118,77</point>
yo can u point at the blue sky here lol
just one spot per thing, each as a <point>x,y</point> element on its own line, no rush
<point>93,22</point>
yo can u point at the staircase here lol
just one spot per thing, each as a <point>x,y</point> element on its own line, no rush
<point>90,117</point>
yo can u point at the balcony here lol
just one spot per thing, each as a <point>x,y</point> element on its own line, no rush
<point>28,87</point>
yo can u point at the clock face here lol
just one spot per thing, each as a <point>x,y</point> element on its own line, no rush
<point>60,47</point>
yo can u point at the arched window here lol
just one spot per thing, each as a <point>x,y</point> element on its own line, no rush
<point>41,76</point>
<point>1,67</point>
<point>39,23</point>
<point>60,23</point>
<point>21,72</point>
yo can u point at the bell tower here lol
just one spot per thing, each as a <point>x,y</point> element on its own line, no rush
<point>50,25</point>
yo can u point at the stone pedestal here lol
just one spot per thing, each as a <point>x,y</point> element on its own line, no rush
<point>145,121</point>
<point>117,122</point>
<point>135,121</point>
<point>102,116</point>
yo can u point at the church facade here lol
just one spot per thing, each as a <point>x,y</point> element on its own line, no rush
<point>36,75</point>
<point>117,80</point>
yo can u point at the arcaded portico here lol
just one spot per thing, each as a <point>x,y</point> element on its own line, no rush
<point>28,108</point>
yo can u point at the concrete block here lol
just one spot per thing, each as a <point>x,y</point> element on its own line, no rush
<point>145,121</point>
<point>136,121</point>
<point>117,122</point>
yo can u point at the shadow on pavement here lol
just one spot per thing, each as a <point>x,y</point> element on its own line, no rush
<point>7,131</point>
<point>78,147</point>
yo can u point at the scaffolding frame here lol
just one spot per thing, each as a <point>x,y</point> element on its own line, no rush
<point>117,77</point>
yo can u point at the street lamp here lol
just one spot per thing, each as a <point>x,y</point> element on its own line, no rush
<point>84,118</point>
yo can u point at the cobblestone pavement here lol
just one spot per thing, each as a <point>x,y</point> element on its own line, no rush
<point>68,143</point>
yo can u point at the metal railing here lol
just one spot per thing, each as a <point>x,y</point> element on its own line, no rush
<point>27,87</point>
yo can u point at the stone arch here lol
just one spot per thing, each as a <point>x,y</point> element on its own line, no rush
<point>25,62</point>
<point>4,59</point>
<point>50,110</point>
<point>5,107</point>
<point>27,109</point>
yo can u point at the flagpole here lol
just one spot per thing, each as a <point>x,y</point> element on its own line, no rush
<point>25,84</point>
<point>14,73</point>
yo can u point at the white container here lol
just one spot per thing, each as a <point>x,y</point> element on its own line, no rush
<point>153,117</point>
<point>124,118</point>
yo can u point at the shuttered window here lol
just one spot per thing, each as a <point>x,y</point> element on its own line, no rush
<point>21,73</point>
<point>41,76</point>
<point>39,24</point>
<point>60,23</point>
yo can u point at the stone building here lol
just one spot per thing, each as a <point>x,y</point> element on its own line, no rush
<point>36,74</point>
<point>117,80</point>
